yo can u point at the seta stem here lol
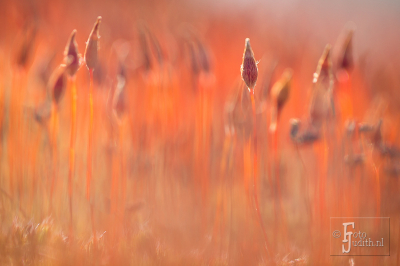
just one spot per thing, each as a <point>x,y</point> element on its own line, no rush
<point>278,202</point>
<point>72,144</point>
<point>378,190</point>
<point>253,104</point>
<point>93,227</point>
<point>55,151</point>
<point>123,167</point>
<point>89,153</point>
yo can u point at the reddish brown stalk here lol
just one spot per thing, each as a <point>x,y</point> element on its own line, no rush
<point>267,87</point>
<point>226,162</point>
<point>376,168</point>
<point>324,174</point>
<point>15,148</point>
<point>90,140</point>
<point>201,144</point>
<point>276,177</point>
<point>56,86</point>
<point>123,167</point>
<point>34,151</point>
<point>255,174</point>
<point>247,169</point>
<point>279,214</point>
<point>93,227</point>
<point>378,191</point>
<point>72,144</point>
<point>54,151</point>
<point>15,135</point>
<point>204,139</point>
<point>11,142</point>
<point>220,194</point>
<point>21,139</point>
<point>114,189</point>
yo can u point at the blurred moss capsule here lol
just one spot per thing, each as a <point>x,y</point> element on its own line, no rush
<point>92,46</point>
<point>58,83</point>
<point>71,56</point>
<point>346,58</point>
<point>281,89</point>
<point>25,49</point>
<point>324,67</point>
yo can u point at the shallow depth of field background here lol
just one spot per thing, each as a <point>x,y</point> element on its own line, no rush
<point>171,185</point>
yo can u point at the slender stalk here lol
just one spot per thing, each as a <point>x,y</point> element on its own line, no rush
<point>34,151</point>
<point>376,168</point>
<point>72,144</point>
<point>378,190</point>
<point>220,194</point>
<point>90,141</point>
<point>89,155</point>
<point>398,249</point>
<point>114,186</point>
<point>274,167</point>
<point>201,154</point>
<point>278,208</point>
<point>54,152</point>
<point>21,140</point>
<point>269,155</point>
<point>255,168</point>
<point>123,166</point>
<point>93,227</point>
<point>204,126</point>
<point>247,169</point>
<point>324,176</point>
<point>11,142</point>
